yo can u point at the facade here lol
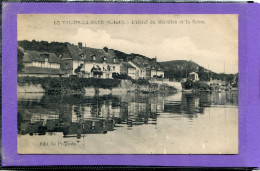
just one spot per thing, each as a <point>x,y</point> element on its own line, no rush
<point>127,68</point>
<point>154,71</point>
<point>160,73</point>
<point>140,72</point>
<point>40,64</point>
<point>146,68</point>
<point>89,62</point>
<point>193,76</point>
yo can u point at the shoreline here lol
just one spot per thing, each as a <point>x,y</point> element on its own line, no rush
<point>84,86</point>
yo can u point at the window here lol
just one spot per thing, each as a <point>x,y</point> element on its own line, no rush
<point>82,56</point>
<point>114,59</point>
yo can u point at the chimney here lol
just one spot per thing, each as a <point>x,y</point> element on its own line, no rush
<point>129,58</point>
<point>80,45</point>
<point>105,49</point>
<point>154,59</point>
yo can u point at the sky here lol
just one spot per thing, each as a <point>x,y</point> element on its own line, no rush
<point>211,40</point>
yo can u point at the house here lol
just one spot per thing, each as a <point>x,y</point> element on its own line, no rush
<point>89,62</point>
<point>160,72</point>
<point>140,72</point>
<point>145,67</point>
<point>40,64</point>
<point>127,68</point>
<point>155,70</point>
<point>193,76</point>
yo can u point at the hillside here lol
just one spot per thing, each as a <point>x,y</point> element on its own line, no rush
<point>179,64</point>
<point>178,69</point>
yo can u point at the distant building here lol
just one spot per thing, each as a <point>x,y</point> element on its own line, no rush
<point>145,67</point>
<point>140,70</point>
<point>160,72</point>
<point>89,62</point>
<point>193,76</point>
<point>127,68</point>
<point>40,64</point>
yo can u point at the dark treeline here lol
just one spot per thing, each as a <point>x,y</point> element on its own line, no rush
<point>55,47</point>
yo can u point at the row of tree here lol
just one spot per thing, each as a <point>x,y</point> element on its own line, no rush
<point>54,47</point>
<point>204,75</point>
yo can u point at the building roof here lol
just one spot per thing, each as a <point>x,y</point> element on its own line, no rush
<point>86,54</point>
<point>139,65</point>
<point>30,56</point>
<point>39,70</point>
<point>193,73</point>
<point>154,65</point>
<point>126,64</point>
<point>145,62</point>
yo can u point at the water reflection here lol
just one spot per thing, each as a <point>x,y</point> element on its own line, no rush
<point>76,116</point>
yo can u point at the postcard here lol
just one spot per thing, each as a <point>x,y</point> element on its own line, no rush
<point>127,84</point>
<point>152,84</point>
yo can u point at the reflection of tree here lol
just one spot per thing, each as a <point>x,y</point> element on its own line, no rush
<point>189,104</point>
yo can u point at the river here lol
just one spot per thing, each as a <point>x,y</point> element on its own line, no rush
<point>128,123</point>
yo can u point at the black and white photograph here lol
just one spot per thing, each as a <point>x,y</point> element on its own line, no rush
<point>127,84</point>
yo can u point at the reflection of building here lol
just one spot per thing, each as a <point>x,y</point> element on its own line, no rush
<point>160,104</point>
<point>75,116</point>
<point>42,117</point>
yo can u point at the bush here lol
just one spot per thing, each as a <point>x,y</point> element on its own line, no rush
<point>189,84</point>
<point>121,76</point>
<point>72,83</point>
<point>141,82</point>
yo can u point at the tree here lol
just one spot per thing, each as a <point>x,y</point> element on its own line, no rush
<point>203,76</point>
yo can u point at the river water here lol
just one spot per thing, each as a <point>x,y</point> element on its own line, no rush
<point>128,123</point>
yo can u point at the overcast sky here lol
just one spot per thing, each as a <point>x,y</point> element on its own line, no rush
<point>211,42</point>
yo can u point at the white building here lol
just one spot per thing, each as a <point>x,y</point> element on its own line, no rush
<point>40,64</point>
<point>127,68</point>
<point>90,62</point>
<point>140,70</point>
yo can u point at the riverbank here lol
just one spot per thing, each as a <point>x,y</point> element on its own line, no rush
<point>85,86</point>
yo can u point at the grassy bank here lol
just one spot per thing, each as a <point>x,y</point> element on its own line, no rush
<point>74,85</point>
<point>68,85</point>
